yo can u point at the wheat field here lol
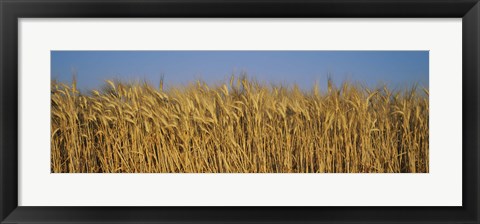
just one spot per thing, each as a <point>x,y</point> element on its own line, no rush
<point>240,126</point>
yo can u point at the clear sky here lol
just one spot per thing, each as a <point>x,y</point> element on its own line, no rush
<point>397,69</point>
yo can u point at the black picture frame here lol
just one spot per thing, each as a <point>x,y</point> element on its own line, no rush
<point>11,11</point>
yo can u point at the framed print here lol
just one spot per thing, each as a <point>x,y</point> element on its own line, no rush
<point>246,112</point>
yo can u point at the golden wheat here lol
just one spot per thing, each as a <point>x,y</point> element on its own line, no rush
<point>240,127</point>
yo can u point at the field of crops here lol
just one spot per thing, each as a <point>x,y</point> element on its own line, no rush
<point>241,126</point>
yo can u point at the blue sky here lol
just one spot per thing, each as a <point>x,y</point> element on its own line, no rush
<point>397,69</point>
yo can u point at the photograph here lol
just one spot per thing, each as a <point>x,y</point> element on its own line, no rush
<point>283,112</point>
<point>239,111</point>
